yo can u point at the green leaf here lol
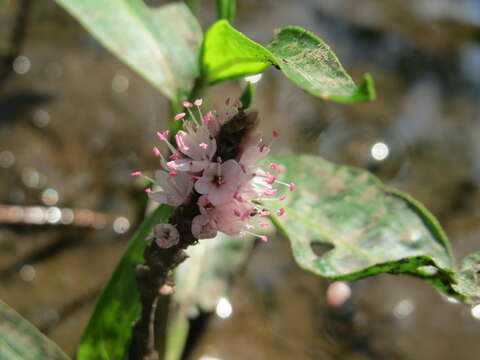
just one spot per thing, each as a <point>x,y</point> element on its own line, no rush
<point>20,340</point>
<point>372,228</point>
<point>303,58</point>
<point>311,64</point>
<point>247,96</point>
<point>228,54</point>
<point>226,9</point>
<point>201,281</point>
<point>161,43</point>
<point>108,332</point>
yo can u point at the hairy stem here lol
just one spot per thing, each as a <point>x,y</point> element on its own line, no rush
<point>154,281</point>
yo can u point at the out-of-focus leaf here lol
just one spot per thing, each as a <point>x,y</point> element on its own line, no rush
<point>311,64</point>
<point>201,281</point>
<point>372,228</point>
<point>467,276</point>
<point>226,9</point>
<point>108,332</point>
<point>303,58</point>
<point>161,43</point>
<point>20,340</point>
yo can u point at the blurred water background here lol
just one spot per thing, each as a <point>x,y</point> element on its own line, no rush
<point>74,122</point>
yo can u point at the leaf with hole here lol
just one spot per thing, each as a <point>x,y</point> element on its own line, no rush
<point>161,44</point>
<point>21,340</point>
<point>108,332</point>
<point>369,227</point>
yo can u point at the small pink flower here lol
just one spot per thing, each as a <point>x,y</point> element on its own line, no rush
<point>203,227</point>
<point>136,173</point>
<point>186,104</point>
<point>275,134</point>
<point>166,235</point>
<point>291,186</point>
<point>198,102</point>
<point>220,181</point>
<point>176,189</point>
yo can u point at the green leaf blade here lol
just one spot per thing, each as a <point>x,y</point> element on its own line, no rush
<point>108,332</point>
<point>20,340</point>
<point>228,54</point>
<point>161,44</point>
<point>372,228</point>
<point>311,64</point>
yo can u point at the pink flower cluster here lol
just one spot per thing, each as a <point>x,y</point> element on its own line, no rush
<point>228,192</point>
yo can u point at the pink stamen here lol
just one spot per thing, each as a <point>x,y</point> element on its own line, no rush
<point>203,146</point>
<point>207,118</point>
<point>148,190</point>
<point>275,167</point>
<point>237,213</point>
<point>283,197</point>
<point>171,165</point>
<point>291,186</point>
<point>174,156</point>
<point>198,102</point>
<point>136,173</point>
<point>179,140</point>
<point>263,223</point>
<point>280,212</point>
<point>270,192</point>
<point>275,134</point>
<point>172,173</point>
<point>163,135</point>
<point>194,177</point>
<point>270,178</point>
<point>156,152</point>
<point>263,238</point>
<point>264,214</point>
<point>180,116</point>
<point>187,104</point>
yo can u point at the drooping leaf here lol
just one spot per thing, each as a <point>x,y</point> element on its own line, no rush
<point>201,281</point>
<point>372,228</point>
<point>303,58</point>
<point>468,277</point>
<point>21,340</point>
<point>311,64</point>
<point>226,9</point>
<point>108,332</point>
<point>161,43</point>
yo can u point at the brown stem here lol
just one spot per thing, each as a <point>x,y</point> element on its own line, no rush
<point>153,277</point>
